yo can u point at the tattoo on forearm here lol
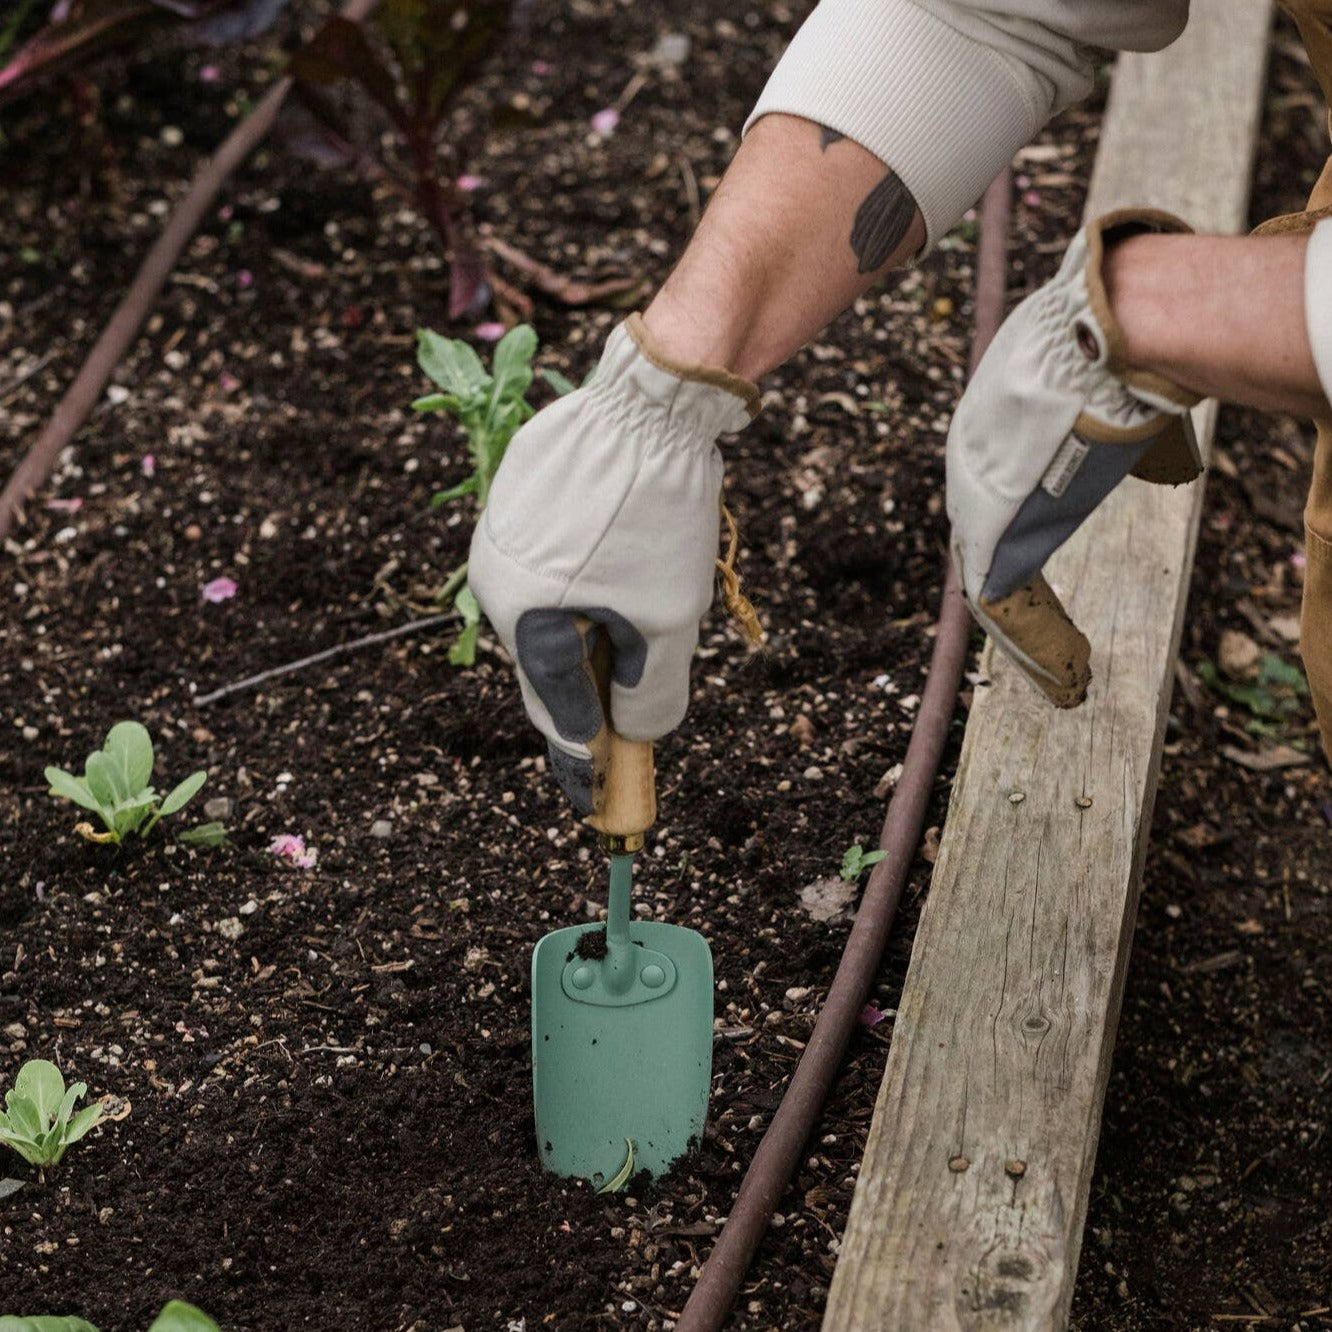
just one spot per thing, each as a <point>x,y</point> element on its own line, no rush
<point>882,221</point>
<point>828,137</point>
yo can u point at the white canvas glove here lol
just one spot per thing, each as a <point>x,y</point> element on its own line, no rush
<point>607,505</point>
<point>1051,423</point>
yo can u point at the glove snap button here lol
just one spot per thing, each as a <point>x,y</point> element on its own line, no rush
<point>1087,343</point>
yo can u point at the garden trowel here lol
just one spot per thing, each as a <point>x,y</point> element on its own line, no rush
<point>621,1014</point>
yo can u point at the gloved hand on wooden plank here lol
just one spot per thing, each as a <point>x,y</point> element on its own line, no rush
<point>1052,421</point>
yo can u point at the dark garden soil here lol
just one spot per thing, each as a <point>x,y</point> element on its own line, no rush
<point>328,1067</point>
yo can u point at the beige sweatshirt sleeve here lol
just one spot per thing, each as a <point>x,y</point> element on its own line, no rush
<point>946,91</point>
<point>1318,300</point>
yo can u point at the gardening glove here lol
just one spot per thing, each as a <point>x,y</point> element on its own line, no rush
<point>606,506</point>
<point>1052,421</point>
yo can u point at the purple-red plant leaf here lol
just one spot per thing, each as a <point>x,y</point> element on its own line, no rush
<point>80,30</point>
<point>469,291</point>
<point>88,30</point>
<point>237,22</point>
<point>340,50</point>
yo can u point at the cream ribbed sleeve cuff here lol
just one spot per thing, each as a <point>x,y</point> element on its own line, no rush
<point>1318,300</point>
<point>945,110</point>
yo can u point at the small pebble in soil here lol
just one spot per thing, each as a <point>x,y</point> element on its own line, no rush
<point>1015,1169</point>
<point>219,807</point>
<point>957,1164</point>
<point>381,828</point>
<point>1016,798</point>
<point>1083,802</point>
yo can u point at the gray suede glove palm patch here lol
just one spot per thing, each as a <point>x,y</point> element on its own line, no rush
<point>606,506</point>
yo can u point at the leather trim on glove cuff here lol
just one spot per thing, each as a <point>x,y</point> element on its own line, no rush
<point>1103,234</point>
<point>1174,458</point>
<point>716,375</point>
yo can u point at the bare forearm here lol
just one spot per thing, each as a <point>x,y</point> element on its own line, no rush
<point>803,222</point>
<point>1222,315</point>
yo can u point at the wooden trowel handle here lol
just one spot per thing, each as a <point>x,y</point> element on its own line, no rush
<point>624,795</point>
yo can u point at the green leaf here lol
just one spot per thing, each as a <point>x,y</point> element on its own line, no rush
<point>468,487</point>
<point>68,787</point>
<point>75,1093</point>
<point>84,1122</point>
<point>463,651</point>
<point>102,777</point>
<point>851,861</point>
<point>467,605</point>
<point>181,1317</point>
<point>451,363</point>
<point>1272,670</point>
<point>44,1323</point>
<point>184,793</point>
<point>558,382</point>
<point>40,1081</point>
<point>872,858</point>
<point>23,1116</point>
<point>129,817</point>
<point>204,834</point>
<point>437,402</point>
<point>622,1175</point>
<point>512,363</point>
<point>131,747</point>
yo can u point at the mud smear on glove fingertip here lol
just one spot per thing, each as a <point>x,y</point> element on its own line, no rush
<point>1036,624</point>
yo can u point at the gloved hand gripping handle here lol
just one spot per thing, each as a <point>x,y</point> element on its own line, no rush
<point>624,795</point>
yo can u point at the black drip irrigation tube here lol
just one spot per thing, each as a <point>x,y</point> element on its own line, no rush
<point>779,1152</point>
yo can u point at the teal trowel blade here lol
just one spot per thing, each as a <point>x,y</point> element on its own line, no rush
<point>621,1044</point>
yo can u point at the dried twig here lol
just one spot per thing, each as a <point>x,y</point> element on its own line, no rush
<point>341,650</point>
<point>22,378</point>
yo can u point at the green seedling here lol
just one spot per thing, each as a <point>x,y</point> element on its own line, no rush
<point>857,860</point>
<point>38,1121</point>
<point>1272,699</point>
<point>489,406</point>
<point>115,787</point>
<point>175,1317</point>
<point>621,1177</point>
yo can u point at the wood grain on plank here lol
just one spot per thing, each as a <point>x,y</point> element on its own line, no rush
<point>969,1209</point>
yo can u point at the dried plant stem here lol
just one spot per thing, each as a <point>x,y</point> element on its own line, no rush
<point>341,650</point>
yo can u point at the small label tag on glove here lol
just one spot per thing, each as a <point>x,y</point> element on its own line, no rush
<point>1064,466</point>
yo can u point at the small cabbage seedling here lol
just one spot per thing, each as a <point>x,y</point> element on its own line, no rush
<point>175,1317</point>
<point>857,860</point>
<point>490,406</point>
<point>115,787</point>
<point>38,1120</point>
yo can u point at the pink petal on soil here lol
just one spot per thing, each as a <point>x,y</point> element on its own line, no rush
<point>605,121</point>
<point>64,505</point>
<point>225,212</point>
<point>228,382</point>
<point>245,279</point>
<point>541,67</point>
<point>148,465</point>
<point>1298,560</point>
<point>1032,199</point>
<point>469,183</point>
<point>490,332</point>
<point>220,589</point>
<point>291,846</point>
<point>871,1016</point>
<point>210,74</point>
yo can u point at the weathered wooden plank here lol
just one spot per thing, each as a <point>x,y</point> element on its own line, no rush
<point>969,1209</point>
